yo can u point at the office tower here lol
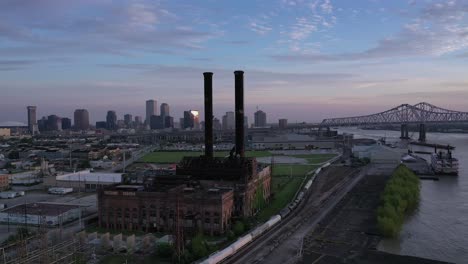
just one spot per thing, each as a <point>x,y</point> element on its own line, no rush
<point>42,124</point>
<point>217,124</point>
<point>101,125</point>
<point>168,122</point>
<point>128,120</point>
<point>54,123</point>
<point>283,123</point>
<point>164,109</point>
<point>81,117</point>
<point>66,123</point>
<point>260,119</point>
<point>191,120</point>
<point>111,120</point>
<point>138,120</point>
<point>32,120</point>
<point>151,110</point>
<point>246,122</point>
<point>157,122</point>
<point>228,121</point>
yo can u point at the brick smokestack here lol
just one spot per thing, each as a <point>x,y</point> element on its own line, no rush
<point>208,77</point>
<point>239,98</point>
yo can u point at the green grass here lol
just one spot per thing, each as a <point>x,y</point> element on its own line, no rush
<point>284,187</point>
<point>176,156</point>
<point>296,170</point>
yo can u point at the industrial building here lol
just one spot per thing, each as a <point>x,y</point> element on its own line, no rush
<point>4,182</point>
<point>205,192</point>
<point>85,180</point>
<point>50,214</point>
<point>154,209</point>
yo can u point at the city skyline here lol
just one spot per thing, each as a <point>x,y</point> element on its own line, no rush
<point>305,60</point>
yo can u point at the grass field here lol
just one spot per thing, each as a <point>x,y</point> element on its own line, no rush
<point>176,156</point>
<point>294,170</point>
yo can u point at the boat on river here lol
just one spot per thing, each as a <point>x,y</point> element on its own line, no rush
<point>444,163</point>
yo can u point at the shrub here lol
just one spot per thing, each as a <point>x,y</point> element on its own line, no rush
<point>400,196</point>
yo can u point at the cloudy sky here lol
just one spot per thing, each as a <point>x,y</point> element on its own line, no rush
<point>304,60</point>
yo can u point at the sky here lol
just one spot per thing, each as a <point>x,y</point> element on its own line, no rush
<point>304,60</point>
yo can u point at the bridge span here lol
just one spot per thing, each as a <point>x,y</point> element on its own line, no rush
<point>420,114</point>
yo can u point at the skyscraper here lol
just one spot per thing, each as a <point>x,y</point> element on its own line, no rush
<point>54,123</point>
<point>111,120</point>
<point>228,121</point>
<point>260,119</point>
<point>66,123</point>
<point>191,120</point>
<point>81,118</point>
<point>164,110</point>
<point>32,120</point>
<point>151,110</point>
<point>217,124</point>
<point>283,123</point>
<point>128,120</point>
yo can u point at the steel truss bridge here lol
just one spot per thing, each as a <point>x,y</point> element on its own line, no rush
<point>421,114</point>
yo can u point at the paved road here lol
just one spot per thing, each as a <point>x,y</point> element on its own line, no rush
<point>282,246</point>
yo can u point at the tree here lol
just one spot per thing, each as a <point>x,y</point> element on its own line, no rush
<point>238,228</point>
<point>198,245</point>
<point>164,250</point>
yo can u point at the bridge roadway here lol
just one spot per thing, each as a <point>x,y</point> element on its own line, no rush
<point>283,244</point>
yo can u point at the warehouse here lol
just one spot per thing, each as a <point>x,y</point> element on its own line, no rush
<point>83,180</point>
<point>51,214</point>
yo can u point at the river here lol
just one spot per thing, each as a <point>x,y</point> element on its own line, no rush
<point>438,228</point>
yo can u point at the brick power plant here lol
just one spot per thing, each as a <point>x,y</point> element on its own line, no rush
<point>206,193</point>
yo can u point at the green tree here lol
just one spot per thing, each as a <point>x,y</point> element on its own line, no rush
<point>198,245</point>
<point>239,228</point>
<point>164,250</point>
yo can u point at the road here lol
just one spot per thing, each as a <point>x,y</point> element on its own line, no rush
<point>283,244</point>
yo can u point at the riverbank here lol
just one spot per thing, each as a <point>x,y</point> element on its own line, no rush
<point>350,231</point>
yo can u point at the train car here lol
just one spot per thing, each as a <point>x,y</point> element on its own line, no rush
<point>318,171</point>
<point>292,205</point>
<point>308,184</point>
<point>218,256</point>
<point>273,220</point>
<point>259,230</point>
<point>299,197</point>
<point>242,241</point>
<point>284,212</point>
<point>326,165</point>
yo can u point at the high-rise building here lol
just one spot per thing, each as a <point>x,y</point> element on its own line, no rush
<point>217,124</point>
<point>151,110</point>
<point>168,122</point>
<point>157,122</point>
<point>54,123</point>
<point>164,109</point>
<point>42,124</point>
<point>32,120</point>
<point>128,120</point>
<point>191,120</point>
<point>66,123</point>
<point>246,122</point>
<point>81,118</point>
<point>101,125</point>
<point>283,123</point>
<point>111,120</point>
<point>138,120</point>
<point>260,119</point>
<point>229,121</point>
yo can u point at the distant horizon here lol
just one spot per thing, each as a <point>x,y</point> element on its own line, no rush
<point>304,60</point>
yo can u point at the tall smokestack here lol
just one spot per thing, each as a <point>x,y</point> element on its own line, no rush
<point>208,77</point>
<point>239,90</point>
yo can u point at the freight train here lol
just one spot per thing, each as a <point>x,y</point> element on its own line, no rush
<point>232,249</point>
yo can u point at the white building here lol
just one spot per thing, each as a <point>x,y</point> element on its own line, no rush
<point>50,214</point>
<point>378,153</point>
<point>83,180</point>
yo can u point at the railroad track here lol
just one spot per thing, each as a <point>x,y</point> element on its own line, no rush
<point>308,208</point>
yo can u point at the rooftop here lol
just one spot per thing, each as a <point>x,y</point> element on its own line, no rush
<point>49,209</point>
<point>87,175</point>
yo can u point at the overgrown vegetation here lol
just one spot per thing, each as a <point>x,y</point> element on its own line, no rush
<point>400,197</point>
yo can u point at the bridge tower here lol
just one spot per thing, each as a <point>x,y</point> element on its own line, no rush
<point>422,132</point>
<point>404,131</point>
